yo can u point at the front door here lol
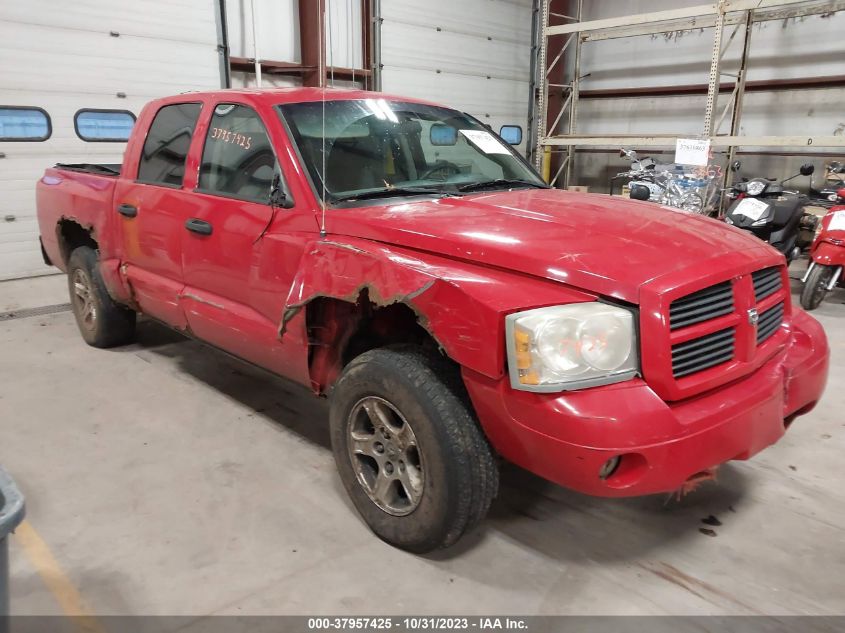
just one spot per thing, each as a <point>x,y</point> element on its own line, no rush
<point>234,280</point>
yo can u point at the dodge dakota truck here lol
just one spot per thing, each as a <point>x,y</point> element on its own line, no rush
<point>399,258</point>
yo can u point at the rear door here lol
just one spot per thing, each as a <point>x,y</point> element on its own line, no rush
<point>152,204</point>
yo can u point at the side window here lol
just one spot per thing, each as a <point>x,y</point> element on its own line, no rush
<point>20,123</point>
<point>166,148</point>
<point>238,159</point>
<point>103,125</point>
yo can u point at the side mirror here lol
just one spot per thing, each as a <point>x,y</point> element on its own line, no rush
<point>640,192</point>
<point>807,169</point>
<point>841,193</point>
<point>511,134</point>
<point>278,197</point>
<point>736,165</point>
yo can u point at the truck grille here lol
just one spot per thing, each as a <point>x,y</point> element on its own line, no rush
<point>701,353</point>
<point>703,305</point>
<point>737,337</point>
<point>766,282</point>
<point>769,322</point>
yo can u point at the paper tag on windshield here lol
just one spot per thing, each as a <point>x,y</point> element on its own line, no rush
<point>837,222</point>
<point>485,141</point>
<point>751,208</point>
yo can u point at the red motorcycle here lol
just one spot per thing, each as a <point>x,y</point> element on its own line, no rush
<point>827,256</point>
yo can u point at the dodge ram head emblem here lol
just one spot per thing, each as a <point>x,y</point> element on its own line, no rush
<point>753,316</point>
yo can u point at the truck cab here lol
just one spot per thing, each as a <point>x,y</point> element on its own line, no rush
<point>401,259</point>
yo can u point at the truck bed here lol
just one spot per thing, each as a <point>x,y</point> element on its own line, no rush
<point>80,193</point>
<point>100,169</point>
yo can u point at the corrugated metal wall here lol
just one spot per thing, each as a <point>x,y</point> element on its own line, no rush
<point>61,57</point>
<point>473,55</point>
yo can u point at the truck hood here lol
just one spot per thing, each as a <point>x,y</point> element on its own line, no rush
<point>608,245</point>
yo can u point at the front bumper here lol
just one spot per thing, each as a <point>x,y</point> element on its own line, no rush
<point>567,437</point>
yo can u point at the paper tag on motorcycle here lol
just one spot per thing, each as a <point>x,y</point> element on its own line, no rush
<point>692,151</point>
<point>751,208</point>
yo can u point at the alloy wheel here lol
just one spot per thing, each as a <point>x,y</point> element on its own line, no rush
<point>385,455</point>
<point>83,299</point>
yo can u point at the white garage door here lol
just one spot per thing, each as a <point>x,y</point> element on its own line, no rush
<point>473,55</point>
<point>100,54</point>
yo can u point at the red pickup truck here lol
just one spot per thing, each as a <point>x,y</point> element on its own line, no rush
<point>400,258</point>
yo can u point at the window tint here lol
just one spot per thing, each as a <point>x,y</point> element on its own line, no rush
<point>166,147</point>
<point>24,124</point>
<point>238,160</point>
<point>104,125</point>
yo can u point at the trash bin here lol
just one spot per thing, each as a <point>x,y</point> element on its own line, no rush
<point>11,514</point>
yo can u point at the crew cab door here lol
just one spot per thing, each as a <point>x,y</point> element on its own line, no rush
<point>237,275</point>
<point>152,205</point>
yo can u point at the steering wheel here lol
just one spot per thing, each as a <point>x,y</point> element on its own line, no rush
<point>442,167</point>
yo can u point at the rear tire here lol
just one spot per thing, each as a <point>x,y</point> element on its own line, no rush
<point>815,289</point>
<point>409,451</point>
<point>102,322</point>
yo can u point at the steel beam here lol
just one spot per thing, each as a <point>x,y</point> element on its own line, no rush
<point>668,140</point>
<point>816,7</point>
<point>697,11</point>
<point>312,41</point>
<point>223,43</point>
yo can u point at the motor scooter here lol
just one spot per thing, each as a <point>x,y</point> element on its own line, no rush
<point>763,207</point>
<point>825,195</point>
<point>827,256</point>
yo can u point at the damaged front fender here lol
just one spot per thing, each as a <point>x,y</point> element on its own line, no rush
<point>461,305</point>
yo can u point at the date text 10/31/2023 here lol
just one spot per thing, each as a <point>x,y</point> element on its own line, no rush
<point>422,623</point>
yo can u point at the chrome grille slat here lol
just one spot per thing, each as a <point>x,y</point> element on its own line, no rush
<point>703,305</point>
<point>704,352</point>
<point>766,282</point>
<point>682,359</point>
<point>699,342</point>
<point>714,304</point>
<point>769,322</point>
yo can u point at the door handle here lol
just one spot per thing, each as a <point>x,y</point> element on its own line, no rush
<point>198,226</point>
<point>127,210</point>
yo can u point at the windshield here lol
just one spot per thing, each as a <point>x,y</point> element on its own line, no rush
<point>378,148</point>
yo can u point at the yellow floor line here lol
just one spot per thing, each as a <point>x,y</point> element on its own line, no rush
<point>65,593</point>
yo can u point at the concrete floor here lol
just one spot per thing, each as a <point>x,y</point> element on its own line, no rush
<point>166,478</point>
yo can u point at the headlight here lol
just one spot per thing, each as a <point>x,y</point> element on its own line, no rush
<point>755,188</point>
<point>570,347</point>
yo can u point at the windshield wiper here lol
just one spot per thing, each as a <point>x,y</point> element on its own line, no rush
<point>391,192</point>
<point>501,182</point>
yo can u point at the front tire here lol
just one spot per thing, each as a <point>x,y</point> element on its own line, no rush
<point>102,322</point>
<point>815,289</point>
<point>410,454</point>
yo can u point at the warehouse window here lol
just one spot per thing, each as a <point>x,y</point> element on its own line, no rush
<point>103,125</point>
<point>166,148</point>
<point>21,123</point>
<point>238,159</point>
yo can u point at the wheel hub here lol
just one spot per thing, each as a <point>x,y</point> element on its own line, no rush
<point>83,299</point>
<point>385,455</point>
